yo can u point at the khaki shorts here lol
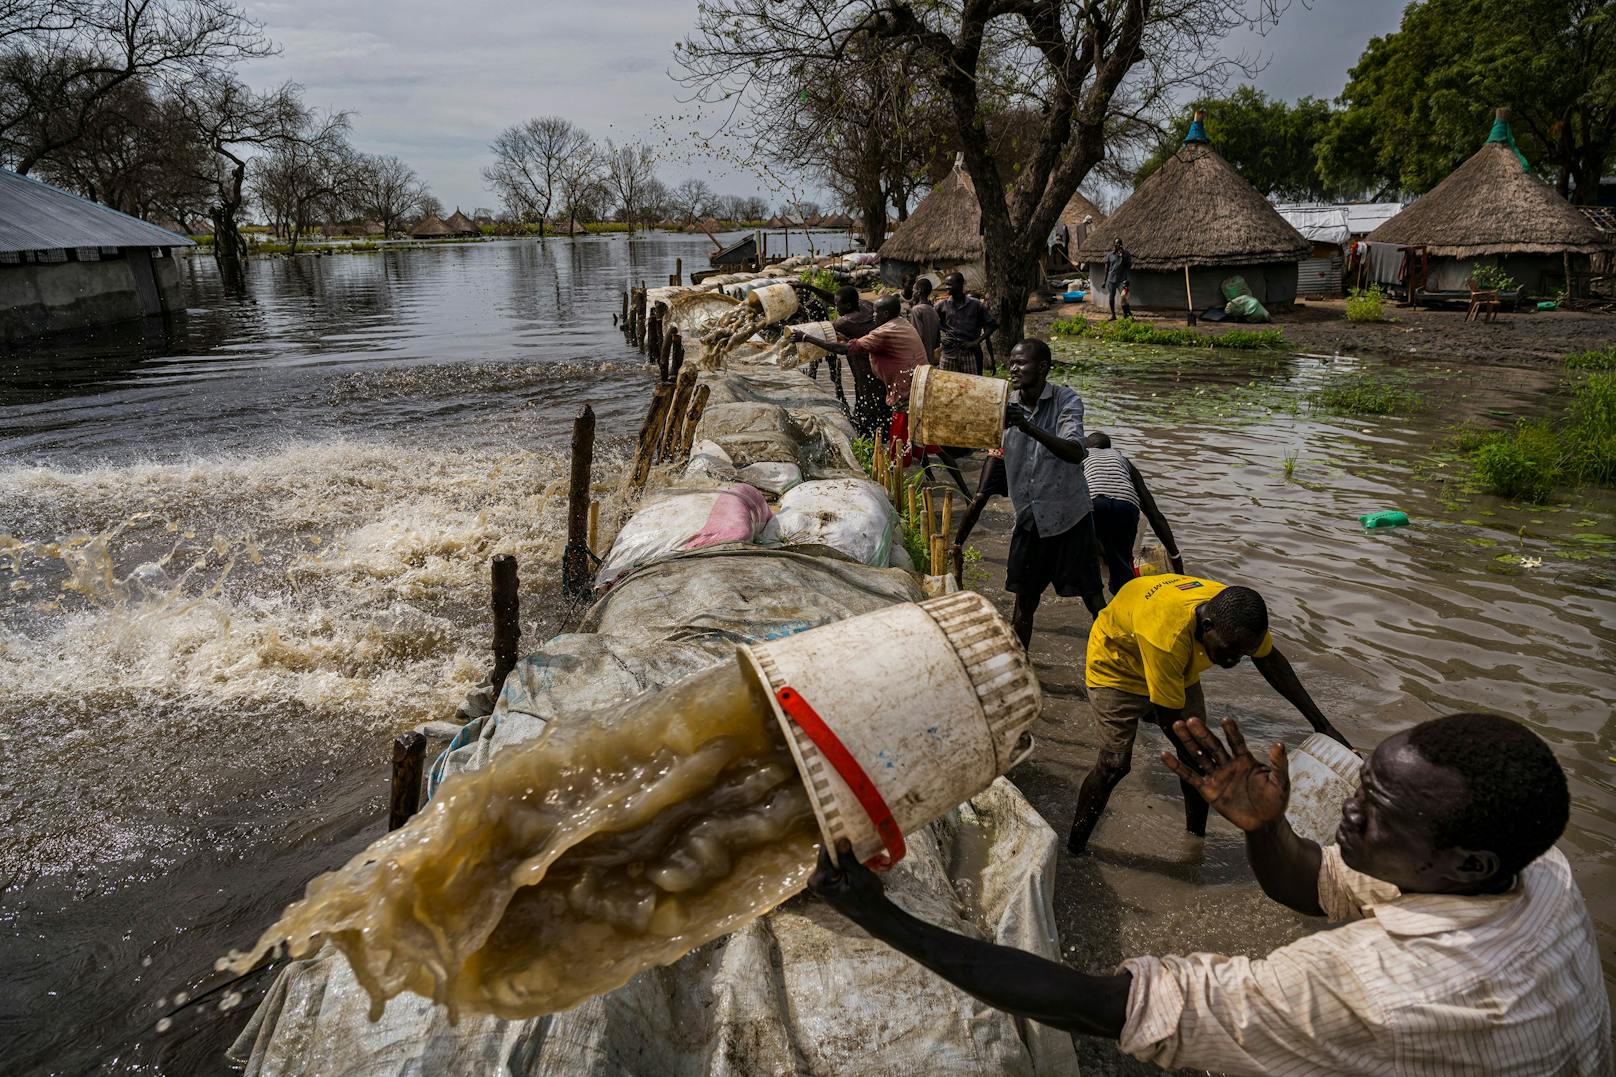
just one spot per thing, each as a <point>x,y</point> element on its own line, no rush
<point>1118,714</point>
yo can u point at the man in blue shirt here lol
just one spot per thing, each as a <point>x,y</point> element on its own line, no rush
<point>1053,543</point>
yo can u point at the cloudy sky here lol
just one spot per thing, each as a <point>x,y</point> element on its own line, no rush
<point>434,82</point>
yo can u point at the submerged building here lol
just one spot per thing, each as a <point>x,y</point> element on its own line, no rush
<point>1192,224</point>
<point>67,263</point>
<point>1492,210</point>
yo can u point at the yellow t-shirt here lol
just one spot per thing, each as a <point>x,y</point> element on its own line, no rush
<point>1144,641</point>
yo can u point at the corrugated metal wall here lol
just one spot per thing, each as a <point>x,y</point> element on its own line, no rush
<point>1319,278</point>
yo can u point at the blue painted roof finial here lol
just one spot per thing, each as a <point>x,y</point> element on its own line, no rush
<point>1197,130</point>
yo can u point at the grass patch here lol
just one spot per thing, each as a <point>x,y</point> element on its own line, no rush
<point>1288,465</point>
<point>1128,331</point>
<point>1364,394</point>
<point>1365,304</point>
<point>1596,359</point>
<point>822,279</point>
<point>1536,457</point>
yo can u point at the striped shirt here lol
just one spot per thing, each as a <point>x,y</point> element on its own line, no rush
<point>1419,983</point>
<point>1108,476</point>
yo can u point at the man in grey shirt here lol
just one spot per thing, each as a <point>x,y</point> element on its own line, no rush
<point>1118,265</point>
<point>1054,541</point>
<point>923,316</point>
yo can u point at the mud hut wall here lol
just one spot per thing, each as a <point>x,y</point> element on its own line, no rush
<point>1273,283</point>
<point>1538,274</point>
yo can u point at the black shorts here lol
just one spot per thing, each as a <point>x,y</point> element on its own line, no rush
<point>1070,560</point>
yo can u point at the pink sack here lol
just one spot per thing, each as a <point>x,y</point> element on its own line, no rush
<point>737,514</point>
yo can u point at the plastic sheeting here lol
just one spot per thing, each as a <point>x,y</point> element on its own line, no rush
<point>800,990</point>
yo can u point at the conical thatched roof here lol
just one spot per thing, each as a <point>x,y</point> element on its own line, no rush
<point>458,224</point>
<point>430,228</point>
<point>944,227</point>
<point>1196,210</point>
<point>1078,207</point>
<point>710,224</point>
<point>837,220</point>
<point>1492,205</point>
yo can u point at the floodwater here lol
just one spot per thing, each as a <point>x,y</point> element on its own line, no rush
<point>237,556</point>
<point>1479,604</point>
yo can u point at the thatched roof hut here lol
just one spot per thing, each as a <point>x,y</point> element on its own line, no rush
<point>459,224</point>
<point>1197,213</point>
<point>1077,208</point>
<point>943,232</point>
<point>709,225</point>
<point>431,227</point>
<point>839,221</point>
<point>1491,209</point>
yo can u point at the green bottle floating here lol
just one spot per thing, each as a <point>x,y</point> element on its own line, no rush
<point>1388,518</point>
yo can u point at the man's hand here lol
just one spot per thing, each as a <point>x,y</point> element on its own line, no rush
<point>848,887</point>
<point>1015,415</point>
<point>1249,794</point>
<point>796,336</point>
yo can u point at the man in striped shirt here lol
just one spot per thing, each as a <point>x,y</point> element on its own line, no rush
<point>1120,496</point>
<point>1465,946</point>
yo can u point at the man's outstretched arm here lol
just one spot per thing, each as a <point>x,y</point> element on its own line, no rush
<point>1276,670</point>
<point>1003,977</point>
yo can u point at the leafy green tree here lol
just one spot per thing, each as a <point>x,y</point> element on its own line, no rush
<point>1271,143</point>
<point>1420,100</point>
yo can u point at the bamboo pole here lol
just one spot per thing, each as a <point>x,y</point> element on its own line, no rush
<point>698,404</point>
<point>914,507</point>
<point>507,617</point>
<point>409,758</point>
<point>674,428</point>
<point>939,555</point>
<point>575,570</point>
<point>947,527</point>
<point>931,519</point>
<point>654,417</point>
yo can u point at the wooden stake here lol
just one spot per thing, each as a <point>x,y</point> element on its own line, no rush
<point>674,428</point>
<point>676,357</point>
<point>654,418</point>
<point>1189,303</point>
<point>624,323</point>
<point>947,528</point>
<point>939,555</point>
<point>594,526</point>
<point>575,567</point>
<point>931,518</point>
<point>507,618</point>
<point>914,507</point>
<point>409,758</point>
<point>698,404</point>
<point>678,272</point>
<point>653,338</point>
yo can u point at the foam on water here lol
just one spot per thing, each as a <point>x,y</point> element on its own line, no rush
<point>170,630</point>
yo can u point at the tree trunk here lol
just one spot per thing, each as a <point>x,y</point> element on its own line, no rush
<point>875,223</point>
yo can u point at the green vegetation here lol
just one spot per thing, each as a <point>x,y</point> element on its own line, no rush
<point>1490,278</point>
<point>1596,359</point>
<point>1128,331</point>
<point>1365,304</point>
<point>1268,141</point>
<point>1288,465</point>
<point>818,278</point>
<point>1532,460</point>
<point>1364,394</point>
<point>864,453</point>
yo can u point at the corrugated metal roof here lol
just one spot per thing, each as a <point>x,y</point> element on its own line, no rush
<point>35,216</point>
<point>1319,223</point>
<point>1365,217</point>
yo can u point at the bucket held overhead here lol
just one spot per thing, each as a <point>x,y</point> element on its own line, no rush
<point>949,408</point>
<point>932,702</point>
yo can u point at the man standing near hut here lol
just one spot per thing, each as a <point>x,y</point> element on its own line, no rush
<point>1053,543</point>
<point>966,323</point>
<point>923,316</point>
<point>1118,264</point>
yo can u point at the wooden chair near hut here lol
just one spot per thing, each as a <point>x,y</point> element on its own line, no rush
<point>1492,210</point>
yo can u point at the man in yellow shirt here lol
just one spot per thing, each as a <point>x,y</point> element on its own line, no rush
<point>1147,651</point>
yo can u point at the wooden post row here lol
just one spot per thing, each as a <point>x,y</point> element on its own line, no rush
<point>661,397</point>
<point>698,405</point>
<point>673,429</point>
<point>575,567</point>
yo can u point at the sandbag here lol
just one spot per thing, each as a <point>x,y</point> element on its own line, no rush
<point>1234,287</point>
<point>681,522</point>
<point>708,460</point>
<point>1245,308</point>
<point>772,478</point>
<point>852,516</point>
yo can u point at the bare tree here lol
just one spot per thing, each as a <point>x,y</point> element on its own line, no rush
<point>307,178</point>
<point>1077,67</point>
<point>630,171</point>
<point>581,185</point>
<point>690,199</point>
<point>63,58</point>
<point>429,207</point>
<point>388,190</point>
<point>530,160</point>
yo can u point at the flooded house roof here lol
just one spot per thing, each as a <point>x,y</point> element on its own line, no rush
<point>431,226</point>
<point>1196,210</point>
<point>1492,204</point>
<point>35,216</point>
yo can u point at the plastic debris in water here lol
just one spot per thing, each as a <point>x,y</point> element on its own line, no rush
<point>165,1024</point>
<point>1386,518</point>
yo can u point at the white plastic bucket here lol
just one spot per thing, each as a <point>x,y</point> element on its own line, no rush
<point>1324,773</point>
<point>807,353</point>
<point>777,302</point>
<point>948,408</point>
<point>933,700</point>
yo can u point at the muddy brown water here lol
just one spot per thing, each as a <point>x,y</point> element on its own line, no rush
<point>244,550</point>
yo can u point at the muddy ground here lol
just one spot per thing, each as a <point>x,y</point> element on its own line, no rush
<point>1321,328</point>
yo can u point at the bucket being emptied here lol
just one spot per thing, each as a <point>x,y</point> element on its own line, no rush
<point>808,353</point>
<point>777,302</point>
<point>1324,772</point>
<point>925,705</point>
<point>962,410</point>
